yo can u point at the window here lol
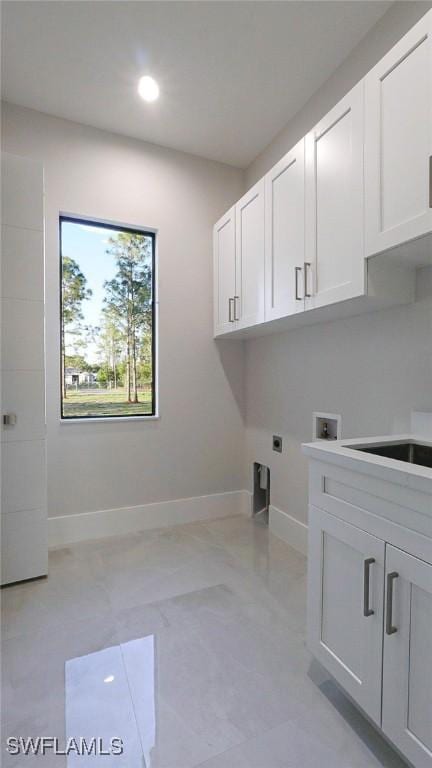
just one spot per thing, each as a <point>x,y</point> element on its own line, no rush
<point>107,320</point>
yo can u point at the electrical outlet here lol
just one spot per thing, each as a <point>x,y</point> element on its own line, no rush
<point>277,443</point>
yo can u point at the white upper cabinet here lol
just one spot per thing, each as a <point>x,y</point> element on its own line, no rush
<point>335,268</point>
<point>284,233</point>
<point>249,296</point>
<point>399,142</point>
<point>407,699</point>
<point>360,183</point>
<point>224,272</point>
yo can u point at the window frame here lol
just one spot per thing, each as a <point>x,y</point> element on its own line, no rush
<point>118,227</point>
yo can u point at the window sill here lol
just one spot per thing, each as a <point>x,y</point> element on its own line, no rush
<point>109,419</point>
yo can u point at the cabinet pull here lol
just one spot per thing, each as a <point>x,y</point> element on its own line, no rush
<point>230,307</point>
<point>236,298</point>
<point>307,265</point>
<point>367,610</point>
<point>390,629</point>
<point>430,181</point>
<point>296,272</point>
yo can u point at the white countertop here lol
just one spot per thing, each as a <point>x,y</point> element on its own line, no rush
<point>341,452</point>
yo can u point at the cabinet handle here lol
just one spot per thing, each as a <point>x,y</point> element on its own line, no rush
<point>230,307</point>
<point>236,298</point>
<point>390,629</point>
<point>430,181</point>
<point>296,272</point>
<point>306,265</point>
<point>367,610</point>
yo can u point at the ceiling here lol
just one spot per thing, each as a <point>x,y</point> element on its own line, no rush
<point>231,73</point>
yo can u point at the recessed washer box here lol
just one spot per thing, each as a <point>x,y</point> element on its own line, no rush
<point>326,426</point>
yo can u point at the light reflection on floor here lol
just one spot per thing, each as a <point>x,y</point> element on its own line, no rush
<point>111,694</point>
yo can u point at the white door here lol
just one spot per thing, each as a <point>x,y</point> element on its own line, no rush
<point>345,606</point>
<point>24,552</point>
<point>249,296</point>
<point>334,204</point>
<point>224,272</point>
<point>398,101</point>
<point>284,235</point>
<point>407,681</point>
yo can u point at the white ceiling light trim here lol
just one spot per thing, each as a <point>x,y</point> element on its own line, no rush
<point>148,88</point>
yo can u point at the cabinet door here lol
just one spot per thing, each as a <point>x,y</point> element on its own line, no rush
<point>23,480</point>
<point>249,296</point>
<point>399,142</point>
<point>224,272</point>
<point>345,606</point>
<point>285,228</point>
<point>407,682</point>
<point>334,204</point>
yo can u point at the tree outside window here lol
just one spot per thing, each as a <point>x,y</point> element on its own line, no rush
<point>107,320</point>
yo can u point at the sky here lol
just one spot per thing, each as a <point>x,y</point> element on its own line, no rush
<point>87,244</point>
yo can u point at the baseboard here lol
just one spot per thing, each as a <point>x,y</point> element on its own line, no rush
<point>67,529</point>
<point>289,529</point>
<point>246,504</point>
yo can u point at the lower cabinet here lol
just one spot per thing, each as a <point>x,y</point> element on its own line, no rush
<point>370,625</point>
<point>345,606</point>
<point>407,676</point>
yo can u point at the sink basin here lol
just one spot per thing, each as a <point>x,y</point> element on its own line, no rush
<point>413,453</point>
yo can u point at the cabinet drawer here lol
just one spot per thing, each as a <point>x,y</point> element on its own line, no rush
<point>392,512</point>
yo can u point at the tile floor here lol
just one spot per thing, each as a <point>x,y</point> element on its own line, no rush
<point>187,643</point>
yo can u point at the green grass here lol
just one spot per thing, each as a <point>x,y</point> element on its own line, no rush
<point>105,402</point>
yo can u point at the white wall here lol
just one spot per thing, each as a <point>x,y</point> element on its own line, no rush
<point>197,445</point>
<point>372,369</point>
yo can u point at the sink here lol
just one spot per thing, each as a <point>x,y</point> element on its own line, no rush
<point>413,453</point>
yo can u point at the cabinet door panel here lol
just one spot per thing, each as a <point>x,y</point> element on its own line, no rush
<point>224,272</point>
<point>407,682</point>
<point>334,203</point>
<point>284,204</point>
<point>346,641</point>
<point>399,142</point>
<point>249,304</point>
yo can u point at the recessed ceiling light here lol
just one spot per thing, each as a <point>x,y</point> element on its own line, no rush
<point>148,88</point>
<point>109,679</point>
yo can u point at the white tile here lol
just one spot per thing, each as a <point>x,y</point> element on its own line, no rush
<point>22,335</point>
<point>72,594</point>
<point>23,476</point>
<point>167,738</point>
<point>24,545</point>
<point>218,675</point>
<point>22,264</point>
<point>98,704</point>
<point>286,746</point>
<point>33,680</point>
<point>22,192</point>
<point>24,395</point>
